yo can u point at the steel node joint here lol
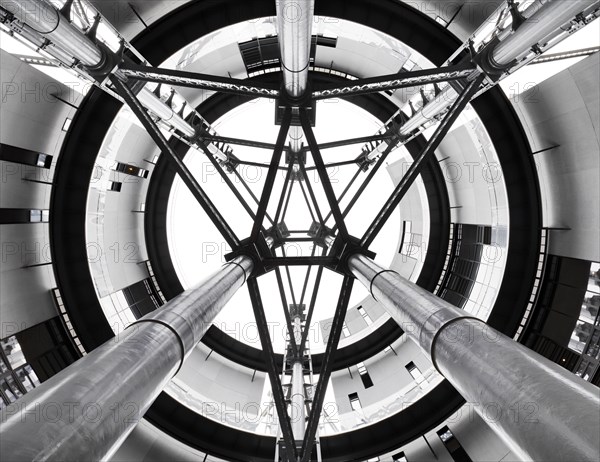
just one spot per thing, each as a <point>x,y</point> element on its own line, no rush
<point>257,251</point>
<point>344,251</point>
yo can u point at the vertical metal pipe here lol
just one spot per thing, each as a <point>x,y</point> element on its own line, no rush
<point>87,410</point>
<point>294,26</point>
<point>542,411</point>
<point>297,397</point>
<point>47,20</point>
<point>298,415</point>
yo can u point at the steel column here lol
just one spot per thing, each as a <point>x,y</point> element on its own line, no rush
<point>87,410</point>
<point>44,19</point>
<point>294,27</point>
<point>541,410</point>
<point>297,397</point>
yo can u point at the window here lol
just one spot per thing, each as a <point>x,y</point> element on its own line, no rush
<point>115,186</point>
<point>364,375</point>
<point>44,161</point>
<point>39,216</point>
<point>416,374</point>
<point>131,170</point>
<point>411,242</point>
<point>19,216</point>
<point>67,125</point>
<point>453,445</point>
<point>22,156</point>
<point>471,270</point>
<point>585,338</point>
<point>409,65</point>
<point>441,21</point>
<point>16,376</point>
<point>345,330</point>
<point>365,315</point>
<point>58,301</point>
<point>354,401</point>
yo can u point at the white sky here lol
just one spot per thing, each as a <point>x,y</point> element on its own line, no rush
<point>190,246</point>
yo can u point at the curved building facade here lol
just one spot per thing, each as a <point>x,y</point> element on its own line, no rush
<point>300,230</point>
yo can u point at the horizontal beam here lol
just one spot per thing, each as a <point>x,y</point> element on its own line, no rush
<point>200,81</point>
<point>335,164</point>
<point>396,81</point>
<point>238,142</point>
<point>351,141</point>
<point>299,261</point>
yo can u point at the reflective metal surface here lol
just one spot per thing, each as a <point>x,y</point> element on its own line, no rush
<point>46,20</point>
<point>541,410</point>
<point>542,20</point>
<point>153,103</point>
<point>294,25</point>
<point>79,414</point>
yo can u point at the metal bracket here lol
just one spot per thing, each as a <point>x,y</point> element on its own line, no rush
<point>344,250</point>
<point>257,251</point>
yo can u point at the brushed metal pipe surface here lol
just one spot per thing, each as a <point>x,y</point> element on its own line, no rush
<point>150,101</point>
<point>294,27</point>
<point>541,410</point>
<point>297,397</point>
<point>541,21</point>
<point>298,415</point>
<point>400,296</point>
<point>47,20</point>
<point>436,106</point>
<point>87,410</point>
